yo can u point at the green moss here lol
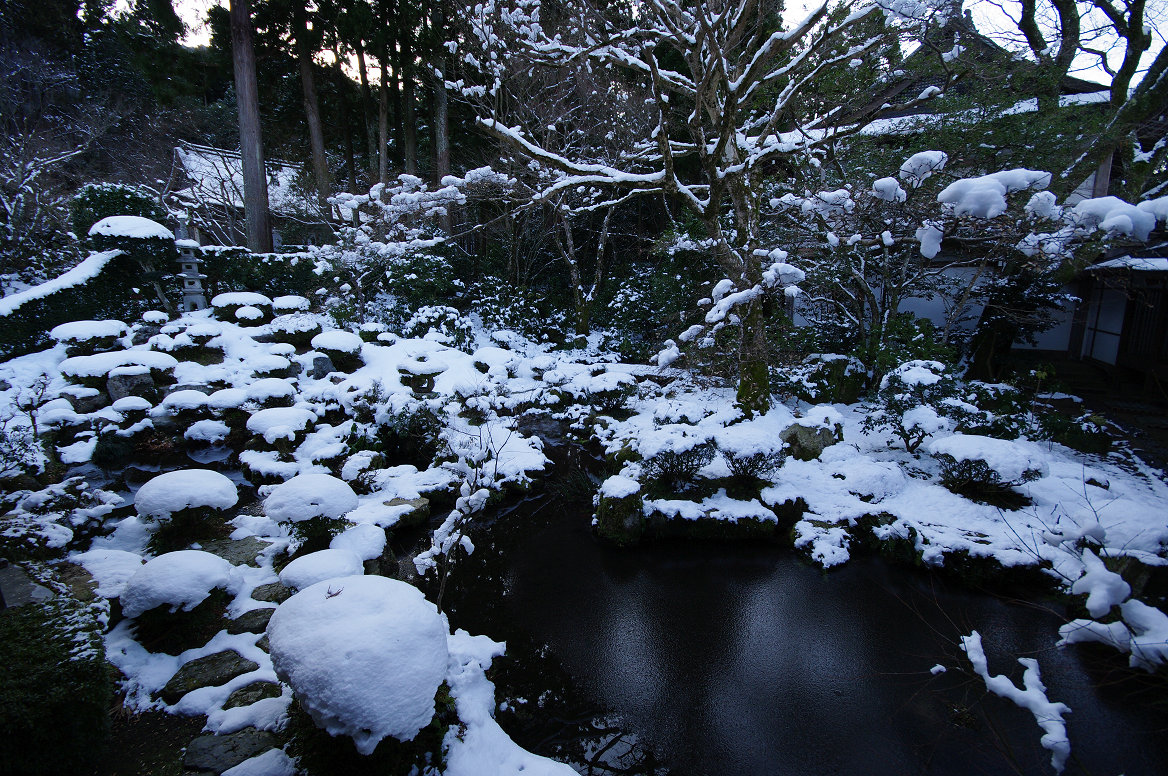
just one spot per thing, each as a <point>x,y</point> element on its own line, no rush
<point>621,520</point>
<point>160,630</point>
<point>55,689</point>
<point>186,526</point>
<point>320,754</point>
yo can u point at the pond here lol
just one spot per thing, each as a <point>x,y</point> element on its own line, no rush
<point>694,659</point>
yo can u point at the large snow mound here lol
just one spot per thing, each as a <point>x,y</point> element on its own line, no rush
<point>364,656</point>
<point>82,331</point>
<point>320,566</point>
<point>342,341</point>
<point>130,226</point>
<point>168,493</point>
<point>180,579</point>
<point>280,422</point>
<point>306,496</point>
<point>1012,461</point>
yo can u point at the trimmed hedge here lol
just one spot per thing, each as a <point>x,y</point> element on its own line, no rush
<point>272,274</point>
<point>96,201</point>
<point>108,295</point>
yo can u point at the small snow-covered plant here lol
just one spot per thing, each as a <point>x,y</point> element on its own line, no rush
<point>984,468</point>
<point>342,347</point>
<point>910,402</point>
<point>753,466</point>
<point>411,434</point>
<point>185,505</point>
<point>19,450</point>
<point>673,470</point>
<point>312,507</point>
<point>1087,432</point>
<point>825,377</point>
<point>440,323</point>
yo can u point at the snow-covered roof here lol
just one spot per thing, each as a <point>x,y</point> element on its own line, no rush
<point>1133,263</point>
<point>216,177</point>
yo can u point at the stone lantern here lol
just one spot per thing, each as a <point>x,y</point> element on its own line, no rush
<point>192,280</point>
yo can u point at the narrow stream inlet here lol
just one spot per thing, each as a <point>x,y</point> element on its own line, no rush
<point>726,659</point>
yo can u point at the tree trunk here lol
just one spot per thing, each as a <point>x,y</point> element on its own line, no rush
<point>312,113</point>
<point>255,180</point>
<point>350,160</point>
<point>442,138</point>
<point>383,122</point>
<point>367,111</point>
<point>754,382</point>
<point>408,118</point>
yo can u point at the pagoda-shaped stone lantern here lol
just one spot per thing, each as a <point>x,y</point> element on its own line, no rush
<point>192,280</point>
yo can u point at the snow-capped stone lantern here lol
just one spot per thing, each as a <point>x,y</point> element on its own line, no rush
<point>192,279</point>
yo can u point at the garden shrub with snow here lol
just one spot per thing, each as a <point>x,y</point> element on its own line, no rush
<point>177,599</point>
<point>911,402</point>
<point>364,656</point>
<point>342,347</point>
<point>982,467</point>
<point>186,504</point>
<point>312,507</point>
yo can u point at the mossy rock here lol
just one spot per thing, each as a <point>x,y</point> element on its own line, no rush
<point>55,689</point>
<point>161,630</point>
<point>252,693</point>
<point>207,671</point>
<point>318,752</point>
<point>621,520</point>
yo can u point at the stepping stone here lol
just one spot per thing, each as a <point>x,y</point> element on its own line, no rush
<point>255,621</point>
<point>212,754</point>
<point>256,691</point>
<point>419,511</point>
<point>273,592</point>
<point>18,588</point>
<point>236,551</point>
<point>209,671</point>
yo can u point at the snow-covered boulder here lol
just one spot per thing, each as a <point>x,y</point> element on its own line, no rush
<point>342,347</point>
<point>319,566</point>
<point>290,304</point>
<point>308,496</point>
<point>178,580</point>
<point>364,656</point>
<point>184,489</point>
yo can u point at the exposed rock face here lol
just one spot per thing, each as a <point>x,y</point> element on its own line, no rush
<point>806,443</point>
<point>119,386</point>
<point>209,671</point>
<point>254,621</point>
<point>273,592</point>
<point>215,754</point>
<point>236,551</point>
<point>621,520</point>
<point>419,511</point>
<point>256,691</point>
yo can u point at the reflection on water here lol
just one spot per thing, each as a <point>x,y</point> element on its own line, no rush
<point>734,660</point>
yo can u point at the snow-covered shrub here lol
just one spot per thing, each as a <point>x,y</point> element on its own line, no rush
<point>245,308</point>
<point>911,402</point>
<point>753,465</point>
<point>44,524</point>
<point>442,324</point>
<point>95,201</point>
<point>57,689</point>
<point>1084,432</point>
<point>410,435</point>
<point>84,338</point>
<point>321,565</point>
<point>503,306</point>
<point>280,428</point>
<point>671,470</point>
<point>342,347</point>
<point>364,656</point>
<point>187,504</point>
<point>825,377</point>
<point>20,452</point>
<point>985,468</point>
<point>177,599</point>
<point>312,507</point>
<point>296,329</point>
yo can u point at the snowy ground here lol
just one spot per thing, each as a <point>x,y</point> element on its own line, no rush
<point>288,426</point>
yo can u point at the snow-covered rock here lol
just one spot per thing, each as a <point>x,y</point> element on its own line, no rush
<point>319,566</point>
<point>364,656</point>
<point>280,422</point>
<point>338,341</point>
<point>168,493</point>
<point>180,580</point>
<point>306,496</point>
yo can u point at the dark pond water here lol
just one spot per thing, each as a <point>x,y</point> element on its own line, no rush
<point>697,659</point>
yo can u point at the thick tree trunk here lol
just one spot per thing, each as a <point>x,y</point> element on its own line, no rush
<point>312,114</point>
<point>367,110</point>
<point>255,181</point>
<point>343,106</point>
<point>409,118</point>
<point>383,122</point>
